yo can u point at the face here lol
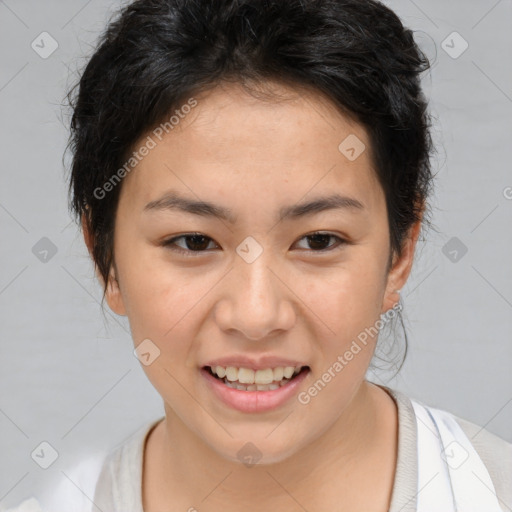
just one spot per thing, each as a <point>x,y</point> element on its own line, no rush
<point>266,285</point>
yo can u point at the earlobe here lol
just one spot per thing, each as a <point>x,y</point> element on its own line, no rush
<point>113,295</point>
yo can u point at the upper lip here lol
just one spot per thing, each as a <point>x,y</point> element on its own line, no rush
<point>261,363</point>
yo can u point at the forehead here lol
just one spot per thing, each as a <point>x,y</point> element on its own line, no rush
<point>285,143</point>
<point>274,122</point>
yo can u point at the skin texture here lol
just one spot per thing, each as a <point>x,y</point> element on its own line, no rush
<point>294,300</point>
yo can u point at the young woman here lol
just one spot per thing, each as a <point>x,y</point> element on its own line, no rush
<point>251,178</point>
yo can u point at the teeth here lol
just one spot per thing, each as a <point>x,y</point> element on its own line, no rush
<point>263,376</point>
<point>231,373</point>
<point>259,377</point>
<point>246,376</point>
<point>288,372</point>
<point>278,373</point>
<point>254,387</point>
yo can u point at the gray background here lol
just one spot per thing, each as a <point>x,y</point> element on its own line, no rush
<point>68,374</point>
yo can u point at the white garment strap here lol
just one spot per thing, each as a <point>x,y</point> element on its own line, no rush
<point>434,486</point>
<point>451,475</point>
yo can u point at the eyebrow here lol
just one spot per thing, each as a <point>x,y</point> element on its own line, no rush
<point>173,201</point>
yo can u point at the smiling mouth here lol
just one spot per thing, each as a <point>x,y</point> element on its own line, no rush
<point>232,377</point>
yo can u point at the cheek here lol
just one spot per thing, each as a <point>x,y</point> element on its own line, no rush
<point>347,298</point>
<point>164,307</point>
<point>348,304</point>
<point>158,296</point>
<point>163,312</point>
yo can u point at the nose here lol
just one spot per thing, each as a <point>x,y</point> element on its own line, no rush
<point>255,301</point>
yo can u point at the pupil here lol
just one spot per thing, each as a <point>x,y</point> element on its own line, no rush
<point>195,238</point>
<point>316,237</point>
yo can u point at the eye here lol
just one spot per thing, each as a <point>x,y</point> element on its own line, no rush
<point>318,240</point>
<point>194,243</point>
<point>198,243</point>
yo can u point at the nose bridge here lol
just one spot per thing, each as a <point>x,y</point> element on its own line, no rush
<point>257,286</point>
<point>252,268</point>
<point>256,302</point>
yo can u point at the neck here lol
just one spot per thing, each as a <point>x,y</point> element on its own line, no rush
<point>347,449</point>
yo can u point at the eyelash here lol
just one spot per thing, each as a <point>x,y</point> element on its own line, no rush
<point>170,243</point>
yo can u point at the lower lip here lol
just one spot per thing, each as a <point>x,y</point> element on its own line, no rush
<point>253,401</point>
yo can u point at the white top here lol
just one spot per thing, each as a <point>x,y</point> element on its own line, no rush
<point>114,483</point>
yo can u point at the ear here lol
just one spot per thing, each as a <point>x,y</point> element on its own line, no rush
<point>401,268</point>
<point>113,294</point>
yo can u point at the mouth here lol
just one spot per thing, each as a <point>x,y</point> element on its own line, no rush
<point>244,379</point>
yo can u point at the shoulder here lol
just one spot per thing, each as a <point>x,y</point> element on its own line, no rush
<point>120,478</point>
<point>495,452</point>
<point>75,486</point>
<point>101,481</point>
<point>69,493</point>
